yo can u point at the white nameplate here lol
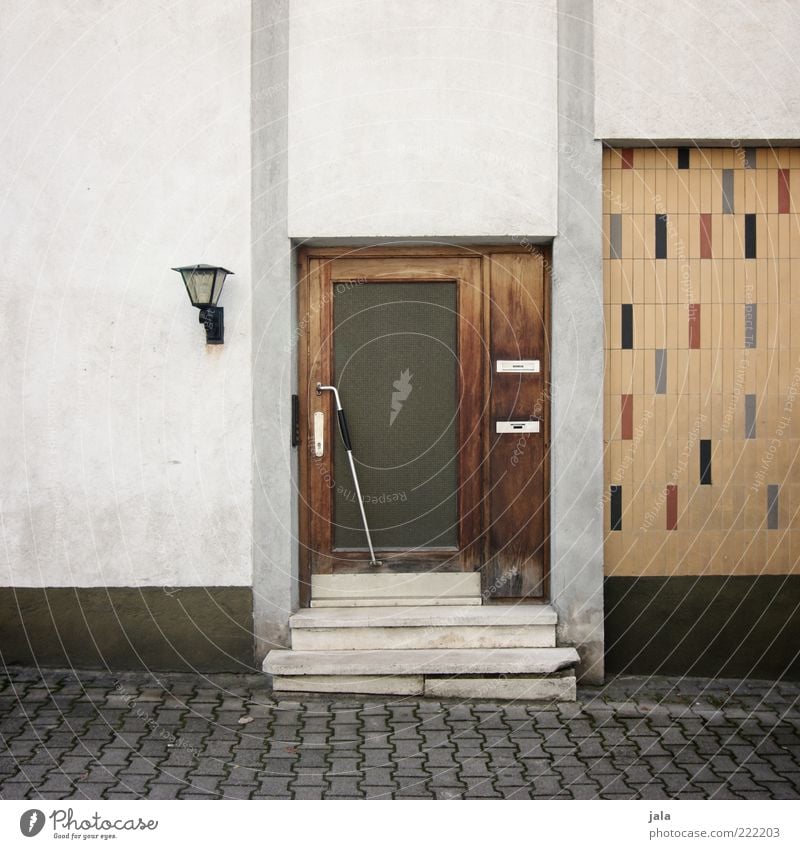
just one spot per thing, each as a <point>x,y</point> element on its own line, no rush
<point>530,366</point>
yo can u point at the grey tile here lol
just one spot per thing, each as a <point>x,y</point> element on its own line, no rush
<point>661,371</point>
<point>727,190</point>
<point>750,319</point>
<point>615,236</point>
<point>772,507</point>
<point>749,416</point>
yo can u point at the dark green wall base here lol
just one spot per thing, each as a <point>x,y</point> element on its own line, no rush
<point>209,629</point>
<point>723,627</point>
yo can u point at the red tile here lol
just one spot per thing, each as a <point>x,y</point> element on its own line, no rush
<point>784,193</point>
<point>627,157</point>
<point>627,416</point>
<point>672,507</point>
<point>705,235</point>
<point>694,325</point>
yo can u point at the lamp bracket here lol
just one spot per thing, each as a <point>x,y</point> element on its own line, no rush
<point>213,319</point>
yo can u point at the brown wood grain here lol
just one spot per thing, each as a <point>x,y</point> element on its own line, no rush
<point>472,395</point>
<point>517,535</point>
<point>304,267</point>
<point>377,268</point>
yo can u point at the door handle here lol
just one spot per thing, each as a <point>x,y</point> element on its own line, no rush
<point>319,434</point>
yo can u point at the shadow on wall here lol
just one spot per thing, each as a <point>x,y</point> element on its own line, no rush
<point>205,629</point>
<point>716,626</point>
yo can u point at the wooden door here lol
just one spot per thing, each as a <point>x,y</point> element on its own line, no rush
<point>410,338</point>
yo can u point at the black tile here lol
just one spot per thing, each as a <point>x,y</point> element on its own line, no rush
<point>616,508</point>
<point>750,236</point>
<point>627,325</point>
<point>705,461</point>
<point>661,236</point>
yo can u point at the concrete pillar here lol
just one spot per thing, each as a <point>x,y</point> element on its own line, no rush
<point>578,351</point>
<point>275,589</point>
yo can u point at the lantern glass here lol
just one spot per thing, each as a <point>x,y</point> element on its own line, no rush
<point>203,283</point>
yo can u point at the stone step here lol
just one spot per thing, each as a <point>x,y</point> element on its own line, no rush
<point>398,662</point>
<point>468,627</point>
<point>560,687</point>
<point>392,589</point>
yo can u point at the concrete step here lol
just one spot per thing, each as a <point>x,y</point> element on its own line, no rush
<point>546,688</point>
<point>466,627</point>
<point>538,674</point>
<point>519,661</point>
<point>396,589</point>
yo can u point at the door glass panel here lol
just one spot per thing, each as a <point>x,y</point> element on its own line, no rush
<point>396,368</point>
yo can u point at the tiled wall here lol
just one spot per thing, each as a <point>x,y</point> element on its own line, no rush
<point>702,414</point>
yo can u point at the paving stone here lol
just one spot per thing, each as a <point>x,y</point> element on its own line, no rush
<point>56,784</point>
<point>583,791</point>
<point>271,787</point>
<point>547,785</point>
<point>87,790</point>
<point>198,796</point>
<point>375,757</point>
<point>237,791</point>
<point>309,793</point>
<point>481,791</point>
<point>757,794</point>
<point>510,778</point>
<point>446,778</point>
<point>135,783</point>
<point>649,738</point>
<point>446,793</point>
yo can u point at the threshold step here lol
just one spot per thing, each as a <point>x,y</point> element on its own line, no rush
<point>520,661</point>
<point>393,589</point>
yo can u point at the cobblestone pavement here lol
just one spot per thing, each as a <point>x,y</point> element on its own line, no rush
<point>94,735</point>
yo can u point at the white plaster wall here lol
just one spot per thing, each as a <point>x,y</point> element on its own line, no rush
<point>124,150</point>
<point>697,69</point>
<point>422,118</point>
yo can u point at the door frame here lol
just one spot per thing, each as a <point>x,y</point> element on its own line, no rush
<point>313,261</point>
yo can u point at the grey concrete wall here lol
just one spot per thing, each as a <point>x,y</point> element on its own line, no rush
<point>275,553</point>
<point>422,118</point>
<point>577,325</point>
<point>716,69</point>
<point>577,352</point>
<point>125,150</point>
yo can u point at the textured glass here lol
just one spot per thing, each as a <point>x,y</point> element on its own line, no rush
<point>200,284</point>
<point>396,367</point>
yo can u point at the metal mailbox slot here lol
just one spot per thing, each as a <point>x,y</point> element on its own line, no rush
<point>517,427</point>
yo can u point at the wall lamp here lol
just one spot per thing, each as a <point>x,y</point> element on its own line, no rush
<point>204,284</point>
